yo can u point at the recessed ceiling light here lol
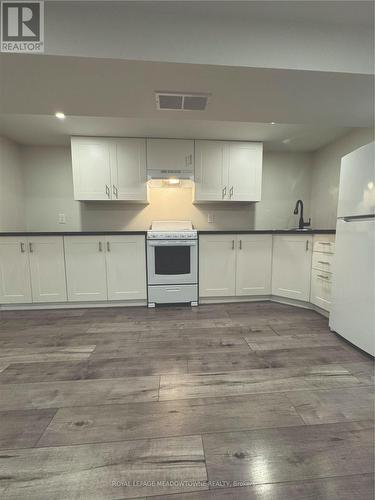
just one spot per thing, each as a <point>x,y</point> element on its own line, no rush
<point>273,123</point>
<point>60,115</point>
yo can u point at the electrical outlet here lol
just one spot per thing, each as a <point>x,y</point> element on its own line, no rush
<point>62,219</point>
<point>211,218</point>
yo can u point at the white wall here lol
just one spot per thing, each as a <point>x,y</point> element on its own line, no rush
<point>12,209</point>
<point>326,175</point>
<point>49,191</point>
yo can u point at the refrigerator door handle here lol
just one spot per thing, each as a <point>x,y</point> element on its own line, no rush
<point>359,218</point>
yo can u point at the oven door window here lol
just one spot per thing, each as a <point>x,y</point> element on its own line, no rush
<point>172,260</point>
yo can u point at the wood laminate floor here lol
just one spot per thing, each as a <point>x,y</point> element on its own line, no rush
<point>254,401</point>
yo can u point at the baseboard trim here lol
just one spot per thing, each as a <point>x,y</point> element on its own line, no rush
<point>224,300</point>
<point>72,305</point>
<point>265,298</point>
<point>143,303</point>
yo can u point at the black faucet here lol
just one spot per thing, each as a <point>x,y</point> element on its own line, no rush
<point>301,223</point>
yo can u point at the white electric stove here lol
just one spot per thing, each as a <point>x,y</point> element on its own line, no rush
<point>172,263</point>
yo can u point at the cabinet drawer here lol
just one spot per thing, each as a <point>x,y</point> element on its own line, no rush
<point>322,261</point>
<point>172,294</point>
<point>324,246</point>
<point>321,283</point>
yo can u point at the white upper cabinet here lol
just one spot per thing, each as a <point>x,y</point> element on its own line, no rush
<point>129,170</point>
<point>211,171</point>
<point>15,285</point>
<point>291,266</point>
<point>170,157</point>
<point>109,169</point>
<point>126,267</point>
<point>228,171</point>
<point>92,158</point>
<point>245,171</point>
<point>47,268</point>
<point>217,265</point>
<point>254,261</point>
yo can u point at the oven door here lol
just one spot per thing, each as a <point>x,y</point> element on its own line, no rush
<point>172,262</point>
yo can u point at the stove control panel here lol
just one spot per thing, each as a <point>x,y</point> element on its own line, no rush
<point>172,235</point>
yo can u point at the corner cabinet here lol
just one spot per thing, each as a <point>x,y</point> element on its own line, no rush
<point>228,171</point>
<point>109,169</point>
<point>291,266</point>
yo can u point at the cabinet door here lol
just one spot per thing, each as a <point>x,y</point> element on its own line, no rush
<point>47,269</point>
<point>245,171</point>
<point>91,162</point>
<point>85,268</point>
<point>15,284</point>
<point>217,265</point>
<point>170,154</point>
<point>254,261</point>
<point>291,266</point>
<point>129,170</point>
<point>211,171</point>
<point>126,267</point>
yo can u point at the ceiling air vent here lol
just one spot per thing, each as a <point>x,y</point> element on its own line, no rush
<point>180,101</point>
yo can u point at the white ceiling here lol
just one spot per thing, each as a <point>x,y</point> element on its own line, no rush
<point>310,35</point>
<point>33,84</point>
<point>47,130</point>
<point>355,12</point>
<point>305,65</point>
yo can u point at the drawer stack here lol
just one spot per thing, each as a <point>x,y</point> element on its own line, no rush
<point>321,275</point>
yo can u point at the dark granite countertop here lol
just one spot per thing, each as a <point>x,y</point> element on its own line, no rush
<point>114,233</point>
<point>72,233</point>
<point>272,231</point>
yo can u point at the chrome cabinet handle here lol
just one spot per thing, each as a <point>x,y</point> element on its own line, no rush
<point>324,242</point>
<point>107,191</point>
<point>189,160</point>
<point>324,262</point>
<point>108,247</point>
<point>232,244</point>
<point>115,191</point>
<point>224,192</point>
<point>307,245</point>
<point>31,247</point>
<point>22,245</point>
<point>100,246</point>
<point>231,192</point>
<point>240,244</point>
<point>321,276</point>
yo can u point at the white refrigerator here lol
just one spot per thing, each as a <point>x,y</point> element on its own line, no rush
<point>353,288</point>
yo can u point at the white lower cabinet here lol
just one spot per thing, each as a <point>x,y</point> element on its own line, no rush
<point>32,270</point>
<point>85,268</point>
<point>47,269</point>
<point>234,265</point>
<point>321,284</point>
<point>254,261</point>
<point>105,267</point>
<point>126,267</point>
<point>291,266</point>
<point>321,274</point>
<point>217,265</point>
<point>15,284</point>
